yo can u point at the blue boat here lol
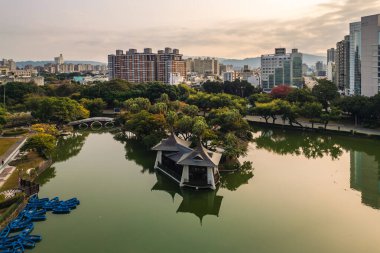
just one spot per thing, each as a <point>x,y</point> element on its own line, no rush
<point>61,210</point>
<point>34,238</point>
<point>36,218</point>
<point>20,224</point>
<point>27,230</point>
<point>29,244</point>
<point>5,232</point>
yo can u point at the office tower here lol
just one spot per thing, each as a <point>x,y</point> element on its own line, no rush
<point>206,66</point>
<point>281,68</point>
<point>370,55</point>
<point>330,55</point>
<point>355,59</point>
<point>342,65</point>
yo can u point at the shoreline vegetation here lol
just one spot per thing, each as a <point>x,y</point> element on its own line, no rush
<point>218,114</point>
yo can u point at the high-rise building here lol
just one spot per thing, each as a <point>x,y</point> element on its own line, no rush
<point>370,55</point>
<point>355,59</point>
<point>331,55</point>
<point>11,64</point>
<point>59,60</point>
<point>146,66</point>
<point>281,68</point>
<point>206,66</point>
<point>342,64</point>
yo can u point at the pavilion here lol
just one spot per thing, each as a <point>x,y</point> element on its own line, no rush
<point>196,168</point>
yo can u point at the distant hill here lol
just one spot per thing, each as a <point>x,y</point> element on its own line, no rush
<point>255,62</point>
<point>22,64</point>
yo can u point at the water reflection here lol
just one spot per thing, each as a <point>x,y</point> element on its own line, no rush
<point>46,176</point>
<point>199,203</point>
<point>296,143</point>
<point>365,177</point>
<point>364,156</point>
<point>69,146</point>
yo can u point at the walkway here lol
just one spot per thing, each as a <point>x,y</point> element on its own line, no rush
<point>332,127</point>
<point>12,152</point>
<point>5,174</point>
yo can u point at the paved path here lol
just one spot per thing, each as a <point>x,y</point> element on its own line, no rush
<point>333,126</point>
<point>6,173</point>
<point>12,152</point>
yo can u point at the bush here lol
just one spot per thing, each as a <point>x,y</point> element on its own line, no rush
<point>15,132</point>
<point>4,203</point>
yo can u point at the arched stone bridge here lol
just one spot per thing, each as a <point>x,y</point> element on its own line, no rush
<point>94,123</point>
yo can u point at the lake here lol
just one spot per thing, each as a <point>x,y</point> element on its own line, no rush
<point>307,193</point>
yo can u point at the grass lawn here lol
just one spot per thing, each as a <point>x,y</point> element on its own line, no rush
<point>6,143</point>
<point>32,160</point>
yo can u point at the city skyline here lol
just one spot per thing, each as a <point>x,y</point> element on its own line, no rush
<point>90,30</point>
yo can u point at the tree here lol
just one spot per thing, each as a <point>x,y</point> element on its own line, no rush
<point>43,143</point>
<point>46,129</point>
<point>95,106</point>
<point>281,91</point>
<point>333,114</point>
<point>312,111</point>
<point>260,98</point>
<point>171,119</point>
<point>135,105</point>
<point>190,110</point>
<point>184,126</point>
<point>148,127</point>
<point>357,106</point>
<point>229,120</point>
<point>213,87</point>
<point>300,96</point>
<point>16,92</point>
<point>325,92</point>
<point>54,109</point>
<point>3,114</point>
<point>233,147</point>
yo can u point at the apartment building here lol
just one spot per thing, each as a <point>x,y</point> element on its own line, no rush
<point>146,66</point>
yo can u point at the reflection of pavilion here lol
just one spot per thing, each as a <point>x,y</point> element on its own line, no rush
<point>200,203</point>
<point>365,177</point>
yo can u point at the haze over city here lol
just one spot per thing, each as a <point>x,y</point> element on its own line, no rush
<point>89,30</point>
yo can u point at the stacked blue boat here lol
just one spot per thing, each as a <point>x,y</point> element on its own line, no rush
<point>16,236</point>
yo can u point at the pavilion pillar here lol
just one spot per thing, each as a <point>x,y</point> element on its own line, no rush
<point>158,159</point>
<point>185,175</point>
<point>210,177</point>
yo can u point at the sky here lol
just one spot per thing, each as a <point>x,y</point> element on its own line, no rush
<point>92,29</point>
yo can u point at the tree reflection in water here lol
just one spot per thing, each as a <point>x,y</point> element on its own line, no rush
<point>364,155</point>
<point>69,146</point>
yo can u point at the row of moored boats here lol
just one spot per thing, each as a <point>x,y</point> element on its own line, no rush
<point>16,237</point>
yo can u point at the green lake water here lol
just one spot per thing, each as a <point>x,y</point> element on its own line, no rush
<point>308,193</point>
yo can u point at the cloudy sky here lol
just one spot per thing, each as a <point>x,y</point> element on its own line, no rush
<point>91,29</point>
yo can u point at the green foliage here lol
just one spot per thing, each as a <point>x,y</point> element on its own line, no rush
<point>135,105</point>
<point>312,111</point>
<point>238,87</point>
<point>190,110</point>
<point>233,146</point>
<point>15,132</point>
<point>184,126</point>
<point>300,96</point>
<point>54,109</point>
<point>229,120</point>
<point>3,118</point>
<point>63,90</point>
<point>259,98</point>
<point>46,129</point>
<point>42,143</point>
<point>325,92</point>
<point>146,126</point>
<point>16,92</point>
<point>94,106</point>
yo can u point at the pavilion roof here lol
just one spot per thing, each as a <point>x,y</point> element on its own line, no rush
<point>172,143</point>
<point>201,157</point>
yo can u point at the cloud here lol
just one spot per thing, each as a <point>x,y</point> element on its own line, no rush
<point>313,31</point>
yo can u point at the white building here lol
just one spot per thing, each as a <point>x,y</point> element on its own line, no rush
<point>229,76</point>
<point>59,60</point>
<point>175,78</point>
